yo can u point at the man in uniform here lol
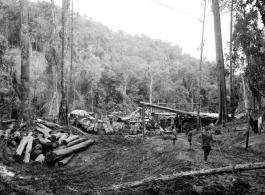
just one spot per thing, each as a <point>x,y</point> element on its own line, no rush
<point>207,138</point>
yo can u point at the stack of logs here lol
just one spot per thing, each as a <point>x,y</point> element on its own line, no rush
<point>94,126</point>
<point>46,142</point>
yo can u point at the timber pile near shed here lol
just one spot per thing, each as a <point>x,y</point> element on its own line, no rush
<point>43,142</point>
<point>94,126</point>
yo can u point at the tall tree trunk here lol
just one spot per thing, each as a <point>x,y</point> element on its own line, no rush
<point>200,79</point>
<point>6,26</point>
<point>91,93</point>
<point>52,59</point>
<point>245,95</point>
<point>63,111</point>
<point>151,89</point>
<point>25,59</point>
<point>232,104</point>
<point>223,114</point>
<point>72,47</point>
<point>74,96</point>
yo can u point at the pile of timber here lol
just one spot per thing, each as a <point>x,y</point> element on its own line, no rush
<point>94,126</point>
<point>44,142</point>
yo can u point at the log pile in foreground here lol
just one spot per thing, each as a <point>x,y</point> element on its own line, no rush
<point>44,142</point>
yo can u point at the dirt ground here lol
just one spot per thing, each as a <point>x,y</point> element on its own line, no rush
<point>115,160</point>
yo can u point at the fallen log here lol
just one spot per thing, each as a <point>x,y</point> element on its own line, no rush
<point>44,127</point>
<point>9,130</point>
<point>77,141</point>
<point>28,150</point>
<point>80,131</point>
<point>228,169</point>
<point>69,139</point>
<point>37,150</point>
<point>45,133</point>
<point>63,137</point>
<point>91,127</point>
<point>65,161</point>
<point>22,145</point>
<point>39,159</point>
<point>55,136</point>
<point>60,148</point>
<point>105,127</point>
<point>45,142</point>
<point>109,127</point>
<point>49,124</point>
<point>85,123</point>
<point>57,154</point>
<point>55,145</point>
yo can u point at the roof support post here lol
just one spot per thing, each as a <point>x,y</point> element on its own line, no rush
<point>143,123</point>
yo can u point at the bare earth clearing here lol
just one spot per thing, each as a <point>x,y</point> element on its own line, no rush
<point>114,160</point>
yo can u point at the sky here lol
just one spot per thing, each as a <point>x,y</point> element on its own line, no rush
<point>159,22</point>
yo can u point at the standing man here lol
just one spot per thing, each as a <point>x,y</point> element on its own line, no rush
<point>207,138</point>
<point>190,138</point>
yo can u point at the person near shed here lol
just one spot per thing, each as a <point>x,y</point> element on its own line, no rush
<point>174,132</point>
<point>207,138</point>
<point>190,138</point>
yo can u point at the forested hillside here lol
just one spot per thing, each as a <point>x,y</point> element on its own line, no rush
<point>110,70</point>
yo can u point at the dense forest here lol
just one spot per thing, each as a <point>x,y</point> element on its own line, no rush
<point>111,70</point>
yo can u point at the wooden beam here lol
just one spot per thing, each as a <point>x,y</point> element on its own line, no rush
<point>165,108</point>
